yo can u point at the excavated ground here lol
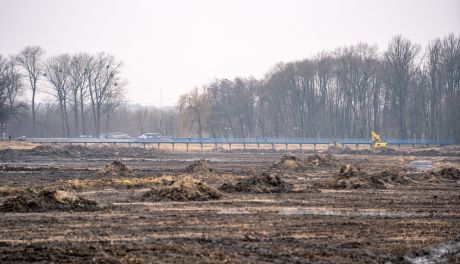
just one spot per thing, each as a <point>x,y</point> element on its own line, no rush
<point>308,222</point>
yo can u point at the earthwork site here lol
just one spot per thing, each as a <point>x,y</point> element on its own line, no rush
<point>105,204</point>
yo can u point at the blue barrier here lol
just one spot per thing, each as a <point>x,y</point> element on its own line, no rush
<point>260,141</point>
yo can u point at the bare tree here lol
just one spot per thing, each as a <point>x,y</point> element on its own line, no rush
<point>105,86</point>
<point>195,111</point>
<point>57,73</point>
<point>78,80</point>
<point>30,59</point>
<point>401,67</point>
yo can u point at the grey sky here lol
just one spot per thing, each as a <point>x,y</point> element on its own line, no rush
<point>169,47</point>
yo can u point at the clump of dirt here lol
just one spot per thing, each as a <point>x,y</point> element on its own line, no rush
<point>263,183</point>
<point>447,173</point>
<point>47,200</point>
<point>351,177</point>
<point>115,168</point>
<point>321,161</point>
<point>290,162</point>
<point>200,166</point>
<point>393,176</point>
<point>185,189</point>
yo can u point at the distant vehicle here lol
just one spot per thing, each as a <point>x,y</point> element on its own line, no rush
<point>86,136</point>
<point>115,135</point>
<point>22,138</point>
<point>122,136</point>
<point>149,136</point>
<point>154,137</point>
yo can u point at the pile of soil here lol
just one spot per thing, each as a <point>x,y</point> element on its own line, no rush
<point>393,176</point>
<point>262,183</point>
<point>290,162</point>
<point>321,161</point>
<point>116,168</point>
<point>448,173</point>
<point>200,166</point>
<point>185,189</point>
<point>47,200</point>
<point>351,177</point>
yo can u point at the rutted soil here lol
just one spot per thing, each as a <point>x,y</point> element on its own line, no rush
<point>166,207</point>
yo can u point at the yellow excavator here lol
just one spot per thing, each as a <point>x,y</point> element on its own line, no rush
<point>376,143</point>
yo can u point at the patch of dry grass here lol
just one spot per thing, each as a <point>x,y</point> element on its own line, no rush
<point>9,190</point>
<point>116,183</point>
<point>17,145</point>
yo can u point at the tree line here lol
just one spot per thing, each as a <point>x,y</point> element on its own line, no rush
<point>402,92</point>
<point>78,86</point>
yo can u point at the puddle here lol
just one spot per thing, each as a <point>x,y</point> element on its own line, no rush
<point>365,212</point>
<point>233,212</point>
<point>422,165</point>
<point>438,253</point>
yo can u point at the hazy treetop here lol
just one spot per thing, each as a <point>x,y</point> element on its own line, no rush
<point>169,47</point>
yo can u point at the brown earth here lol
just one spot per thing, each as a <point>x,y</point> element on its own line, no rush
<point>184,189</point>
<point>200,166</point>
<point>264,182</point>
<point>115,168</point>
<point>47,200</point>
<point>351,177</point>
<point>447,173</point>
<point>408,218</point>
<point>293,162</point>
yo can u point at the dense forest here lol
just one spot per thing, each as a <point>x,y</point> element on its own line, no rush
<point>403,91</point>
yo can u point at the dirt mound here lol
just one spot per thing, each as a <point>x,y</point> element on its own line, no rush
<point>290,162</point>
<point>185,189</point>
<point>351,177</point>
<point>200,166</point>
<point>321,161</point>
<point>47,200</point>
<point>448,173</point>
<point>263,183</point>
<point>393,176</point>
<point>116,168</point>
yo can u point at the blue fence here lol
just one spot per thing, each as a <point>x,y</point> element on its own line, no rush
<point>261,141</point>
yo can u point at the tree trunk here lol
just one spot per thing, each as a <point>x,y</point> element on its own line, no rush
<point>75,110</point>
<point>82,114</point>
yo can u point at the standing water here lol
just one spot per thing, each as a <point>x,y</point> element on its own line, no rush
<point>422,165</point>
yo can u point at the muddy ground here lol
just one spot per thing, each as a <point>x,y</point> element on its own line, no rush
<point>307,222</point>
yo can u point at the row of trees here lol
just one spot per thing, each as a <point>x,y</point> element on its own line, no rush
<point>131,119</point>
<point>74,82</point>
<point>10,90</point>
<point>403,92</point>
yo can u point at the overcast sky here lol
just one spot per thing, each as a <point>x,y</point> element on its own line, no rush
<point>169,47</point>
